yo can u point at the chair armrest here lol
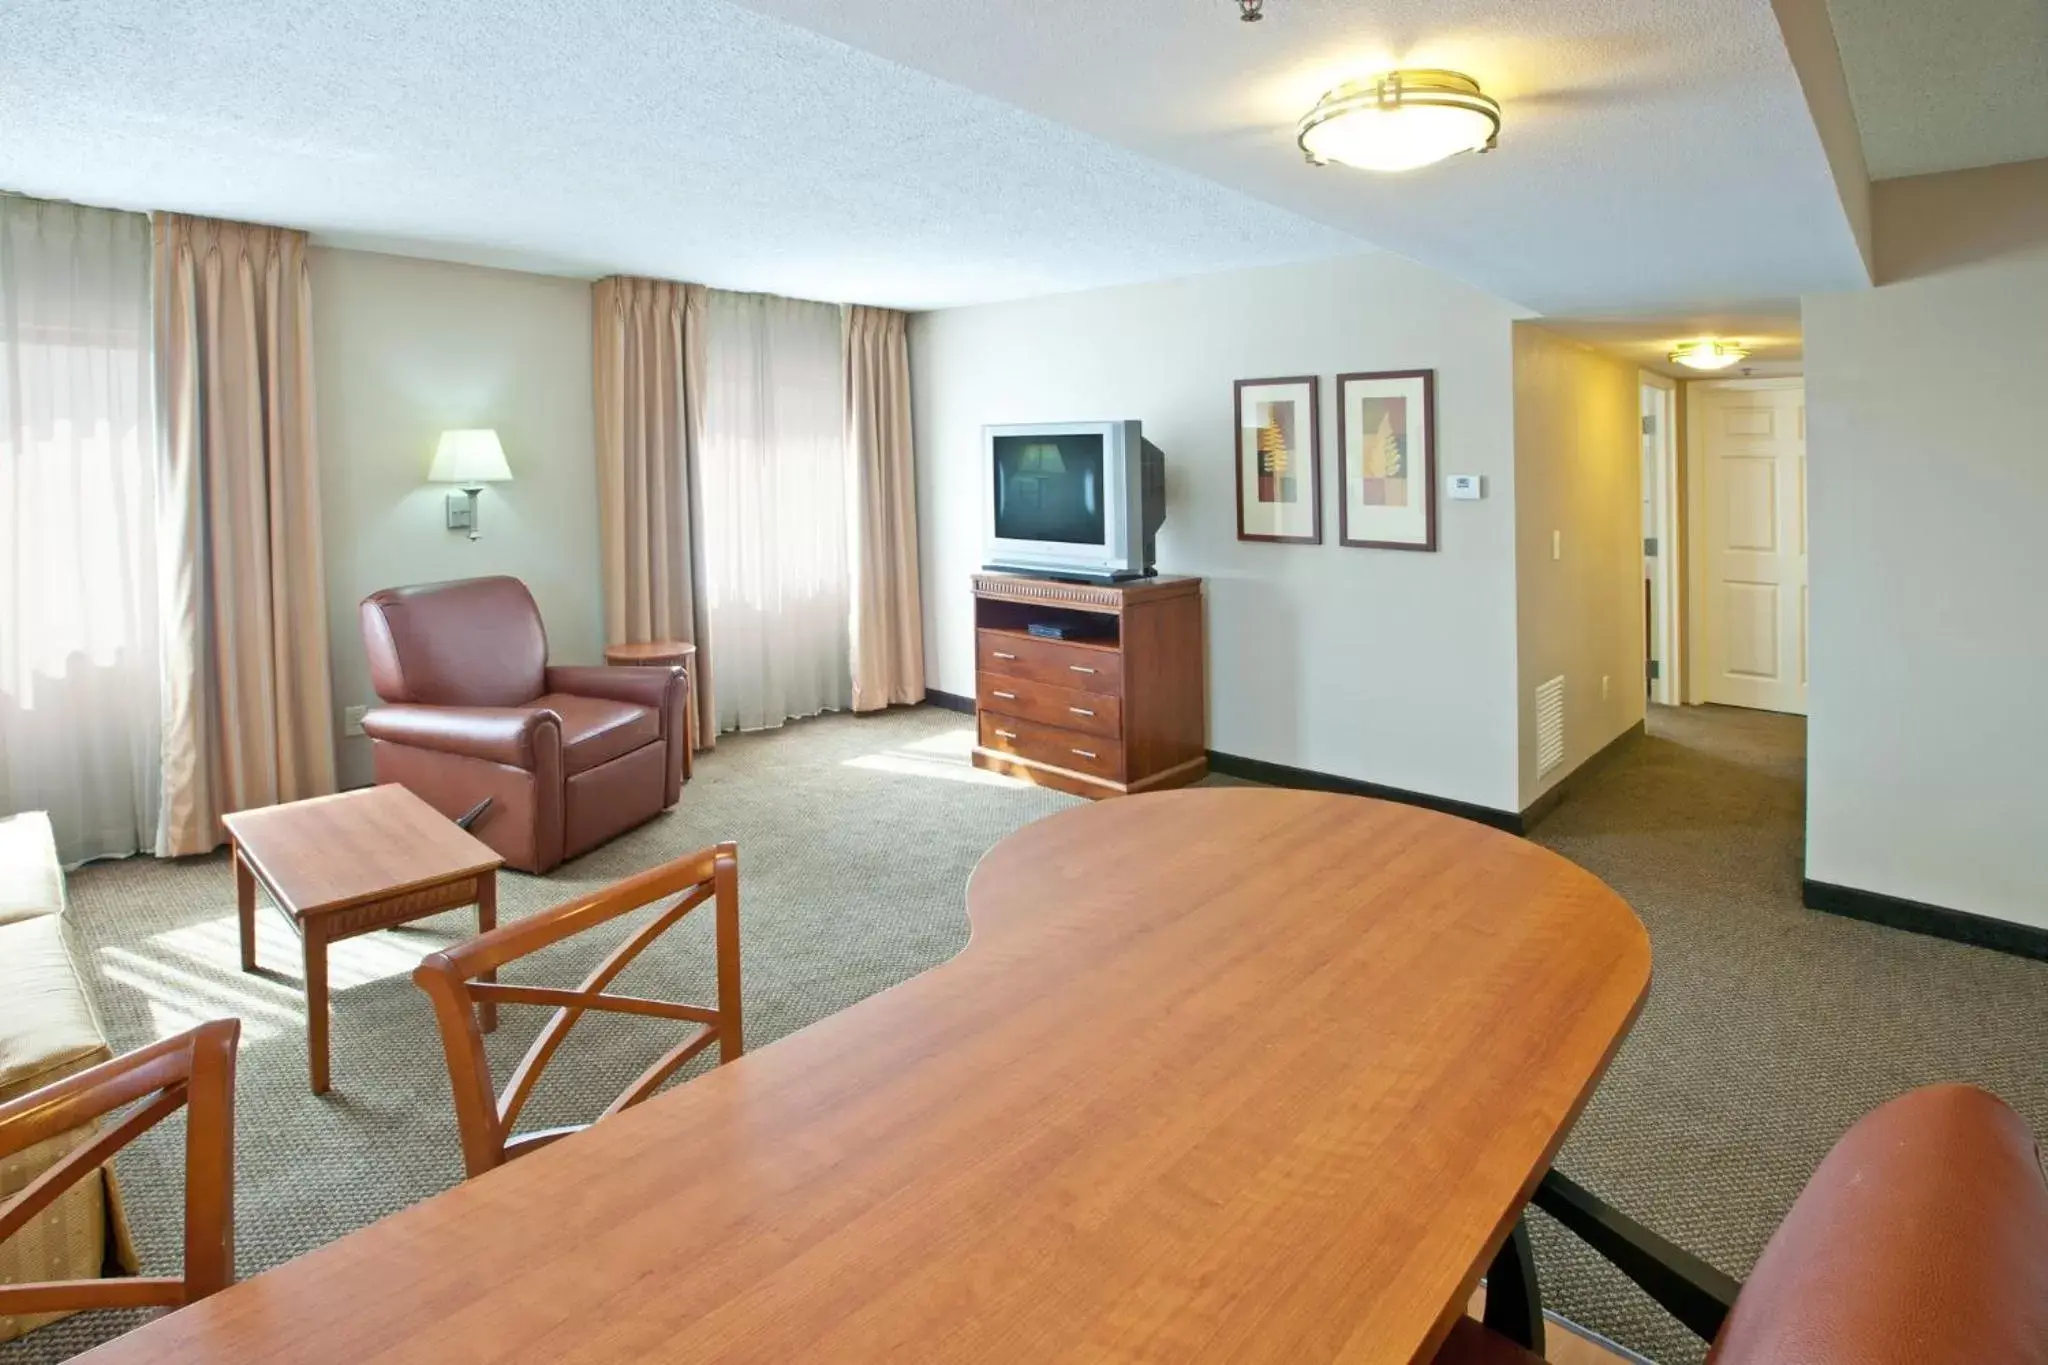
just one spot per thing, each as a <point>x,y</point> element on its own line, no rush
<point>513,735</point>
<point>641,686</point>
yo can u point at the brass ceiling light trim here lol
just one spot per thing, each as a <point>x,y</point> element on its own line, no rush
<point>1708,353</point>
<point>1400,121</point>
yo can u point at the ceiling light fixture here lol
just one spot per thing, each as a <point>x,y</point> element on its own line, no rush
<point>1400,121</point>
<point>1251,11</point>
<point>1708,354</point>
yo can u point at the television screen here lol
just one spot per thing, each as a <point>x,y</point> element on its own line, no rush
<point>1049,488</point>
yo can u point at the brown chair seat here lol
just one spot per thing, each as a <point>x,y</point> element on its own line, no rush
<point>1922,1236</point>
<point>1471,1344</point>
<point>596,730</point>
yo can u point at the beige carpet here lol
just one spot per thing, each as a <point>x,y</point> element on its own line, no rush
<point>1769,1027</point>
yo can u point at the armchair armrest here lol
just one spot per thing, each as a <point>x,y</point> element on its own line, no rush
<point>641,686</point>
<point>514,735</point>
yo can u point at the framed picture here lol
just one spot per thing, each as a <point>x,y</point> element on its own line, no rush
<point>1386,452</point>
<point>1279,448</point>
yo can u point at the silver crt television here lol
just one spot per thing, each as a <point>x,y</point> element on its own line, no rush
<point>1080,500</point>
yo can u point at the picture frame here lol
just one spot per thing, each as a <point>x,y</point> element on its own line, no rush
<point>1386,460</point>
<point>1277,459</point>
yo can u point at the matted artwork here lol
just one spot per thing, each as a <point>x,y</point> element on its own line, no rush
<point>1278,440</point>
<point>1386,454</point>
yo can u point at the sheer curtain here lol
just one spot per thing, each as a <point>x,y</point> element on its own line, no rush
<point>79,671</point>
<point>776,508</point>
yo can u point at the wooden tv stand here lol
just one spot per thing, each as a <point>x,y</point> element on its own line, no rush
<point>1123,709</point>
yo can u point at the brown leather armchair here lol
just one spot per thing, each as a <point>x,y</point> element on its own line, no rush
<point>569,757</point>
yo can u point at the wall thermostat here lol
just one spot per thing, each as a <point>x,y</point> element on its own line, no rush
<point>1468,487</point>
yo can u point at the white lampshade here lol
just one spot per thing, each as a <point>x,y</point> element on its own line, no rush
<point>468,457</point>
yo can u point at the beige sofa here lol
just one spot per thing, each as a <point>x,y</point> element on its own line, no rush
<point>47,1031</point>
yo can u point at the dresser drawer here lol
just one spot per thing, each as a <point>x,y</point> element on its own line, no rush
<point>1095,712</point>
<point>1089,668</point>
<point>1049,744</point>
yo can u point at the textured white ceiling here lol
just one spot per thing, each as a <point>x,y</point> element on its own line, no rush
<point>1770,330</point>
<point>1945,86</point>
<point>1656,153</point>
<point>688,139</point>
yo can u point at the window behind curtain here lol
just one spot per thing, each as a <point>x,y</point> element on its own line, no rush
<point>79,671</point>
<point>776,506</point>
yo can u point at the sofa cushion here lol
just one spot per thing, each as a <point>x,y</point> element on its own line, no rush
<point>31,881</point>
<point>595,731</point>
<point>47,1029</point>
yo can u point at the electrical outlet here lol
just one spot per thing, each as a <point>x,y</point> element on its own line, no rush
<point>1605,683</point>
<point>352,720</point>
<point>1557,545</point>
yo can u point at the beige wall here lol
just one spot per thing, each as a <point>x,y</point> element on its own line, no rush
<point>1578,473</point>
<point>1386,666</point>
<point>1927,404</point>
<point>403,349</point>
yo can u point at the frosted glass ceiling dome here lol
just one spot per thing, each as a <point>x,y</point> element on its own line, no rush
<point>1400,121</point>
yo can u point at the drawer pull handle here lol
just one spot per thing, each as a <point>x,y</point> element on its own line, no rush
<point>1006,734</point>
<point>1076,668</point>
<point>1000,655</point>
<point>1006,696</point>
<point>1080,710</point>
<point>1083,752</point>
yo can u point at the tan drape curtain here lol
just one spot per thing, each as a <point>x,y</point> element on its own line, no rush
<point>648,386</point>
<point>888,611</point>
<point>247,699</point>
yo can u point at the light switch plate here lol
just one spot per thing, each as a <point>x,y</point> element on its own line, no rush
<point>352,720</point>
<point>1467,487</point>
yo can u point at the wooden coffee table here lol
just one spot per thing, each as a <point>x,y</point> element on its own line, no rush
<point>339,866</point>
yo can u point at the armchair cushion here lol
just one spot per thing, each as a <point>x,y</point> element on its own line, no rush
<point>516,736</point>
<point>596,730</point>
<point>477,642</point>
<point>641,686</point>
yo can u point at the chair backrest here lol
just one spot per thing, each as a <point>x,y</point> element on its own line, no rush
<point>462,979</point>
<point>1922,1236</point>
<point>194,1070</point>
<point>473,642</point>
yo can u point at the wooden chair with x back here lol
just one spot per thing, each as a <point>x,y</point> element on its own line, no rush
<point>194,1070</point>
<point>451,979</point>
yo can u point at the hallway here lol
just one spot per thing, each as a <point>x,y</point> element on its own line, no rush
<point>1770,1028</point>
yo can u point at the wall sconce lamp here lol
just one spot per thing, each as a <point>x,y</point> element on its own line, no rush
<point>470,459</point>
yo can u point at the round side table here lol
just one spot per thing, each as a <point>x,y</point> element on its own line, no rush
<point>666,654</point>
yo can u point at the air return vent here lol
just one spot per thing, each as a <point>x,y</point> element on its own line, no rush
<point>1549,725</point>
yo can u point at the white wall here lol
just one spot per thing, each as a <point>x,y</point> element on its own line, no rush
<point>1927,404</point>
<point>1578,472</point>
<point>1387,666</point>
<point>403,349</point>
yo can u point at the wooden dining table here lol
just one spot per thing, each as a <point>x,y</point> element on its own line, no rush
<point>1223,1074</point>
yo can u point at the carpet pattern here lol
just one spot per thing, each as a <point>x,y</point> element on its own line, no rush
<point>1769,1027</point>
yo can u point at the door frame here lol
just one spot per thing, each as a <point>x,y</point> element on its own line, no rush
<point>1668,646</point>
<point>1696,498</point>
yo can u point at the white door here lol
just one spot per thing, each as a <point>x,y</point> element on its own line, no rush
<point>1748,448</point>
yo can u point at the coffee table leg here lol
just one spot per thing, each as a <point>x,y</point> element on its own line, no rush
<point>245,910</point>
<point>316,1005</point>
<point>487,920</point>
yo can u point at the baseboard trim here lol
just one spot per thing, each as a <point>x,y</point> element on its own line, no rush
<point>1307,779</point>
<point>1918,917</point>
<point>1551,799</point>
<point>950,701</point>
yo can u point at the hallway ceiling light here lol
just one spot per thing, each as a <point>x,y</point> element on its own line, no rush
<point>1400,121</point>
<point>1708,354</point>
